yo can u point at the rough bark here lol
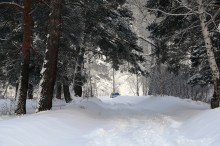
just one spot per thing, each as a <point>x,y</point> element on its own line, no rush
<point>78,83</point>
<point>211,56</point>
<point>78,77</point>
<point>50,64</point>
<point>66,93</point>
<point>78,90</point>
<point>113,79</point>
<point>59,91</point>
<point>30,91</point>
<point>23,81</point>
<point>16,89</point>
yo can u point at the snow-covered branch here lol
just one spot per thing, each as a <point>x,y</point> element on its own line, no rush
<point>142,69</point>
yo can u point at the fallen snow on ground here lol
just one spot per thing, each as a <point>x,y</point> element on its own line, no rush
<point>120,121</point>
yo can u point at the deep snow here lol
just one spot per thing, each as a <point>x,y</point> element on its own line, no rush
<point>121,121</point>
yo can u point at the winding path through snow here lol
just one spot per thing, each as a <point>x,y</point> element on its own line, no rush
<point>148,122</point>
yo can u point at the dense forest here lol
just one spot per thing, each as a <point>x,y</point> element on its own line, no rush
<point>48,46</point>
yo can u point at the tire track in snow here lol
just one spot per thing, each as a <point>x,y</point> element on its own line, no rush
<point>140,126</point>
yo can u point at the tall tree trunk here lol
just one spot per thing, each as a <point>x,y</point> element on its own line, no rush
<point>49,70</point>
<point>137,80</point>
<point>78,77</point>
<point>78,82</point>
<point>113,79</point>
<point>211,56</point>
<point>66,90</point>
<point>30,91</point>
<point>66,93</point>
<point>90,84</point>
<point>59,90</point>
<point>16,89</point>
<point>23,80</point>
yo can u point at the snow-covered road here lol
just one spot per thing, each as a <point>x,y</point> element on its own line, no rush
<point>121,121</point>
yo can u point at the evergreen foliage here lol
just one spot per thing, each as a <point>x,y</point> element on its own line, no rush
<point>179,38</point>
<point>89,29</point>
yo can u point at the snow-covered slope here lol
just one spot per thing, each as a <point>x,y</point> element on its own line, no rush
<point>121,121</point>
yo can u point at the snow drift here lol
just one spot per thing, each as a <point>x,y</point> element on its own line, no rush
<point>124,121</point>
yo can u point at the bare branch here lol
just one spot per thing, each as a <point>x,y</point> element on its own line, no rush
<point>172,14</point>
<point>186,29</point>
<point>212,20</point>
<point>15,45</point>
<point>48,5</point>
<point>79,4</point>
<point>3,39</point>
<point>148,41</point>
<point>12,5</point>
<point>138,6</point>
<point>184,5</point>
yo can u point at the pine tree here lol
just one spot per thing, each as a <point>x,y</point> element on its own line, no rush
<point>50,65</point>
<point>24,78</point>
<point>23,82</point>
<point>87,33</point>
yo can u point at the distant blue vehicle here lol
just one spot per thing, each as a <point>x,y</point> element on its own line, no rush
<point>114,94</point>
